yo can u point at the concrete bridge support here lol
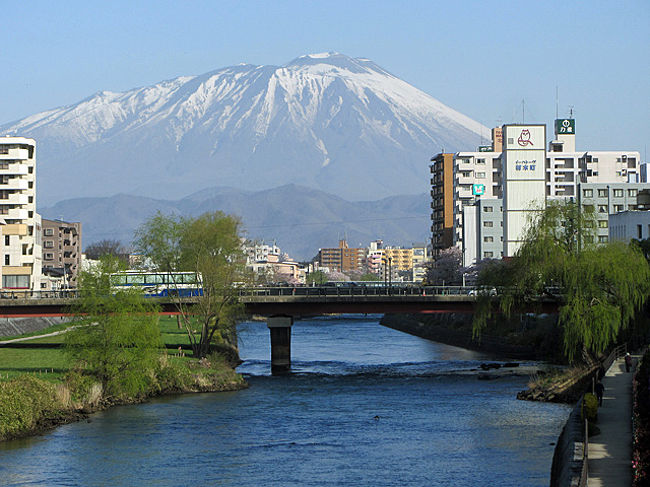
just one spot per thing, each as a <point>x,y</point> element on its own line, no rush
<point>280,329</point>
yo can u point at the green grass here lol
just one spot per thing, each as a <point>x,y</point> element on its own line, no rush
<point>52,363</point>
<point>171,334</point>
<point>48,363</point>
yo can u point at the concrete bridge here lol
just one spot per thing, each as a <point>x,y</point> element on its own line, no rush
<point>281,305</point>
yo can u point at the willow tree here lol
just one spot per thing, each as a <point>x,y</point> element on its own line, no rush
<point>116,337</point>
<point>210,246</point>
<point>602,285</point>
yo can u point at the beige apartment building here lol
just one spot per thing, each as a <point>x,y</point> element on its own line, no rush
<point>21,225</point>
<point>62,251</point>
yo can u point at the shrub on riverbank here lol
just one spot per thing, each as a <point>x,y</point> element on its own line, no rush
<point>641,424</point>
<point>24,402</point>
<point>29,404</point>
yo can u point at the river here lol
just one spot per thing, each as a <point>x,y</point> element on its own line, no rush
<point>365,406</point>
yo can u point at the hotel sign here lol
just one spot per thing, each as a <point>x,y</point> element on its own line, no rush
<point>478,189</point>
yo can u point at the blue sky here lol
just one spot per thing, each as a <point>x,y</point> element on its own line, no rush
<point>480,57</point>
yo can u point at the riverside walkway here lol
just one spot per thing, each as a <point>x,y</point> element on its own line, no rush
<point>610,452</point>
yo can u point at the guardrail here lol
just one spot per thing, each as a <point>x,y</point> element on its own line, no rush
<point>361,290</point>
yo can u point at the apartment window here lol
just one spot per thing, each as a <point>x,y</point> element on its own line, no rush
<point>602,208</point>
<point>487,255</point>
<point>602,193</point>
<point>48,244</point>
<point>618,193</point>
<point>480,175</point>
<point>480,161</point>
<point>595,159</point>
<point>632,193</point>
<point>30,214</point>
<point>602,223</point>
<point>639,232</point>
<point>7,259</point>
<point>618,208</point>
<point>48,232</point>
<point>487,224</point>
<point>488,239</point>
<point>30,169</point>
<point>49,256</point>
<point>588,193</point>
<point>603,239</point>
<point>488,209</point>
<point>6,239</point>
<point>30,199</point>
<point>30,185</point>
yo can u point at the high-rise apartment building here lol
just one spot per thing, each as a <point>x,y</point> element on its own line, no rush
<point>21,232</point>
<point>62,250</point>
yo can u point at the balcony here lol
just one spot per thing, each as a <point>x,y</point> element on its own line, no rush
<point>17,214</point>
<point>16,169</point>
<point>16,199</point>
<point>16,184</point>
<point>14,154</point>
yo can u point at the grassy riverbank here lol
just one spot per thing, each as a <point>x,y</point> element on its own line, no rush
<point>39,387</point>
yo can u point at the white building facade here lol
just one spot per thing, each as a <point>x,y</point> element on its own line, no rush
<point>519,172</point>
<point>21,232</point>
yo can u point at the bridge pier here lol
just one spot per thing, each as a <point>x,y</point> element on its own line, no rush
<point>280,330</point>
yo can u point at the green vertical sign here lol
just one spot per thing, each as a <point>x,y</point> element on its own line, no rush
<point>565,126</point>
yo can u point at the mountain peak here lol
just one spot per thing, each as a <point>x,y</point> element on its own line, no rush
<point>325,120</point>
<point>334,59</point>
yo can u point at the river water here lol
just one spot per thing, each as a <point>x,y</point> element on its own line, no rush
<point>365,406</point>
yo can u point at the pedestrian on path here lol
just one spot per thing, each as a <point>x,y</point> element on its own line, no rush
<point>628,362</point>
<point>600,390</point>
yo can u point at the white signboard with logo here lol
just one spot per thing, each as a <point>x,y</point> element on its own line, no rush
<point>525,180</point>
<point>524,137</point>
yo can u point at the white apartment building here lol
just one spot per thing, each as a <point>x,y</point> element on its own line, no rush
<point>21,231</point>
<point>518,170</point>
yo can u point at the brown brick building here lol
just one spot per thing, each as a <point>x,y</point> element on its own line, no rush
<point>343,258</point>
<point>62,250</point>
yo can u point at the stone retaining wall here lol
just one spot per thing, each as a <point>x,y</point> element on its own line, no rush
<point>19,326</point>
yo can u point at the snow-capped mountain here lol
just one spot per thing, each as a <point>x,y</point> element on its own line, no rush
<point>342,125</point>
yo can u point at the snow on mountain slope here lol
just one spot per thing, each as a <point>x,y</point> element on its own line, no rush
<point>342,125</point>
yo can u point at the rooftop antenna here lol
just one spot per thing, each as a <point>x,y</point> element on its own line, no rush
<point>570,111</point>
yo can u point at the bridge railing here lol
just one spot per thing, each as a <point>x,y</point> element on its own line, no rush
<point>345,290</point>
<point>356,290</point>
<point>29,294</point>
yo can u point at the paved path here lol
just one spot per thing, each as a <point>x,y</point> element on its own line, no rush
<point>610,452</point>
<point>54,333</point>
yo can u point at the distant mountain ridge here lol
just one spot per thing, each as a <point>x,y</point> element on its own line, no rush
<point>299,219</point>
<point>327,121</point>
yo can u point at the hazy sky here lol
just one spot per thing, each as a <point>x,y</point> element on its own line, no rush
<point>479,57</point>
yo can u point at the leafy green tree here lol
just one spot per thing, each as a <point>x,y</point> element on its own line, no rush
<point>117,337</point>
<point>602,285</point>
<point>318,278</point>
<point>210,246</point>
